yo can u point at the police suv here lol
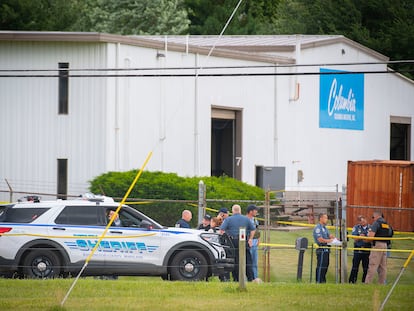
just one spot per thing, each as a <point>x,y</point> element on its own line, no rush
<point>56,238</point>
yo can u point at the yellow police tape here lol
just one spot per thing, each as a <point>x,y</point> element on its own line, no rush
<point>377,238</point>
<point>316,246</point>
<point>78,236</point>
<point>136,203</point>
<point>300,224</point>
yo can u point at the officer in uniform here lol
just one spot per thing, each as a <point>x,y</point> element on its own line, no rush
<point>251,214</point>
<point>361,229</point>
<point>231,226</point>
<point>378,259</point>
<point>184,222</point>
<point>322,237</point>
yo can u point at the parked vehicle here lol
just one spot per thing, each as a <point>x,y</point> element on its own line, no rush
<point>48,239</point>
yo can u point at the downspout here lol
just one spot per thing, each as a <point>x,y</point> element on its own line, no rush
<point>275,122</point>
<point>116,113</point>
<point>162,124</point>
<point>295,86</point>
<point>196,133</point>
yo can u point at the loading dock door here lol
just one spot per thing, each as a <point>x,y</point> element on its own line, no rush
<point>226,143</point>
<point>400,138</point>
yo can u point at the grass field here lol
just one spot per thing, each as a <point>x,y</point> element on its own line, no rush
<point>282,293</point>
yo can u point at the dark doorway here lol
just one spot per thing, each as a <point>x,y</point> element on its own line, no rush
<point>226,142</point>
<point>400,141</point>
<point>222,147</point>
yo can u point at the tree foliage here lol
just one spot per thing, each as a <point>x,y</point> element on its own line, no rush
<point>58,15</point>
<point>253,16</point>
<point>144,17</point>
<point>386,26</point>
<point>156,17</point>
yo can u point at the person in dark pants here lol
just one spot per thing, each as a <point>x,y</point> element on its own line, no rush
<point>322,237</point>
<point>361,229</point>
<point>231,226</point>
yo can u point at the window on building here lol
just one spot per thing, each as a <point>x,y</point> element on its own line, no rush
<point>63,88</point>
<point>400,137</point>
<point>62,178</point>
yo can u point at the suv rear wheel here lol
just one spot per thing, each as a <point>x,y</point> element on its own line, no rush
<point>41,264</point>
<point>189,266</point>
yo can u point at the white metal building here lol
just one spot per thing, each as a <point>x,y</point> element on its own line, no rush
<point>249,103</point>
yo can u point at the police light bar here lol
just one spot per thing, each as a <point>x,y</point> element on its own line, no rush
<point>96,198</point>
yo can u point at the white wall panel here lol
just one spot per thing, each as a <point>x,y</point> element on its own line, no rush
<point>113,123</point>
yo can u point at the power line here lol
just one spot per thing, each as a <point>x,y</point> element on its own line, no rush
<point>407,62</point>
<point>190,75</point>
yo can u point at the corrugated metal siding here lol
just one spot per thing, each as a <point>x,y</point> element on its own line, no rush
<point>244,41</point>
<point>382,184</point>
<point>38,136</point>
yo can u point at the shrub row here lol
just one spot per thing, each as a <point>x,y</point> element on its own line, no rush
<point>170,186</point>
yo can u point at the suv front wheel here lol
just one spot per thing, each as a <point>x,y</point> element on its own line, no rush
<point>189,265</point>
<point>41,264</point>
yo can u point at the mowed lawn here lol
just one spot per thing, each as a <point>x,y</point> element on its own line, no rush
<point>283,292</point>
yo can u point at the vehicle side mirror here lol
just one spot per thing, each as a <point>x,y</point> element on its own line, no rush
<point>146,225</point>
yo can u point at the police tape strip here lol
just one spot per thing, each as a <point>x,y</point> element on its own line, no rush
<point>277,245</point>
<point>78,236</point>
<point>378,238</point>
<point>107,227</point>
<point>316,246</point>
<point>300,224</point>
<point>214,210</point>
<point>136,203</point>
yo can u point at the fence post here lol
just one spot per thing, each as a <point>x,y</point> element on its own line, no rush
<point>311,265</point>
<point>301,245</point>
<point>266,239</point>
<point>242,258</point>
<point>344,270</point>
<point>201,200</point>
<point>337,257</point>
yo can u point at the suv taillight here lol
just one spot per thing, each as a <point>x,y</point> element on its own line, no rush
<point>4,230</point>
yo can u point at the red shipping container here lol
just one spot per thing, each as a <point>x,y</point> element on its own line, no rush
<point>387,186</point>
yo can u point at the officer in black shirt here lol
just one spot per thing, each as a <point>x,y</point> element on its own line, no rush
<point>361,229</point>
<point>378,259</point>
<point>205,224</point>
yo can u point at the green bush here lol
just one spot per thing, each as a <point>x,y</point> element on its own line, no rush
<point>174,193</point>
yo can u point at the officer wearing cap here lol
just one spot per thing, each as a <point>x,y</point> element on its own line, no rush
<point>322,237</point>
<point>223,213</point>
<point>205,224</point>
<point>360,229</point>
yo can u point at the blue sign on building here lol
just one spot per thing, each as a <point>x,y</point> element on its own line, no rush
<point>341,100</point>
